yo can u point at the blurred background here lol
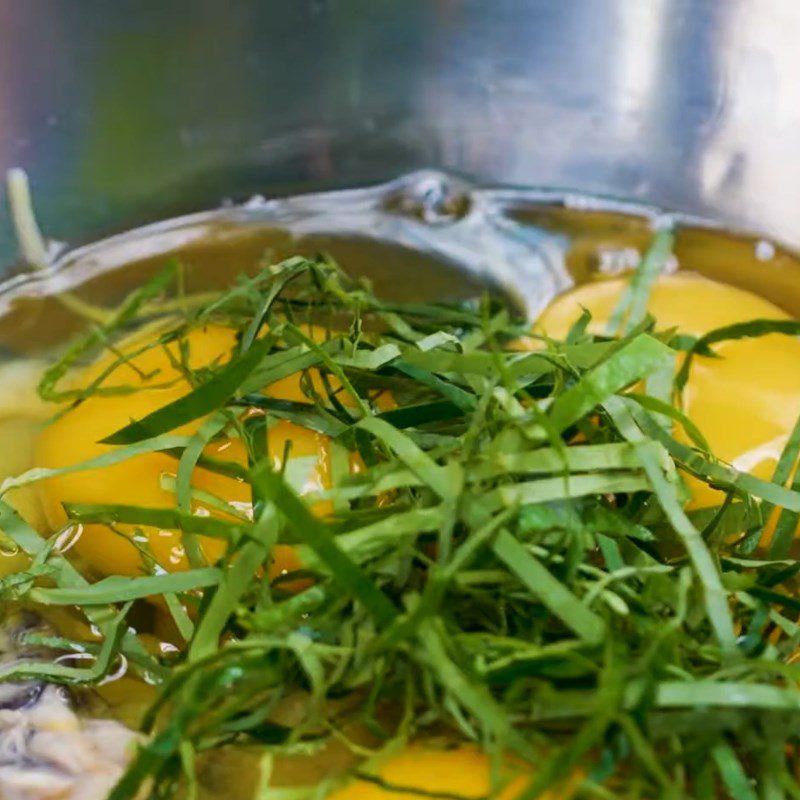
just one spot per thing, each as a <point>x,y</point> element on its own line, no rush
<point>134,110</point>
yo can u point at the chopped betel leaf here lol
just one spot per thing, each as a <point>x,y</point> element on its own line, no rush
<point>426,548</point>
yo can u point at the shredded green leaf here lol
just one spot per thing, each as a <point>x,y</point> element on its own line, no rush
<point>489,546</point>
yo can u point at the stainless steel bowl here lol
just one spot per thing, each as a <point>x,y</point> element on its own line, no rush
<point>128,112</point>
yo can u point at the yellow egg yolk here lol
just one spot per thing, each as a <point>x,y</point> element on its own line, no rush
<point>75,436</point>
<point>418,772</point>
<point>745,402</point>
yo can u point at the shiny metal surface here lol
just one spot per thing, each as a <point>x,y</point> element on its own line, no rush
<point>130,111</point>
<point>423,234</point>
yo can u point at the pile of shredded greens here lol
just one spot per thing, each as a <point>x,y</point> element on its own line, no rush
<point>513,565</point>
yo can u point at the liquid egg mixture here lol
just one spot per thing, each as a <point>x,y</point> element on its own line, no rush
<point>292,538</point>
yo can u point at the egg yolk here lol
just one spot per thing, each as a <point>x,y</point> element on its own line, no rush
<point>158,378</point>
<point>418,772</point>
<point>745,402</point>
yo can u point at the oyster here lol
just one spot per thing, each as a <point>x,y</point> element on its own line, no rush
<point>48,751</point>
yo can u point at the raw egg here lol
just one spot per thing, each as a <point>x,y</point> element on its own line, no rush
<point>157,377</point>
<point>462,771</point>
<point>747,400</point>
